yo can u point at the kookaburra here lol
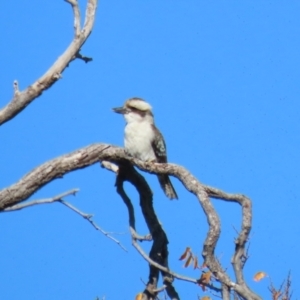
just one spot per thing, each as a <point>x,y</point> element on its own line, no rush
<point>143,140</point>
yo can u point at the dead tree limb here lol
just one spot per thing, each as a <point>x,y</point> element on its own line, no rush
<point>23,98</point>
<point>59,199</point>
<point>41,201</point>
<point>159,250</point>
<point>89,155</point>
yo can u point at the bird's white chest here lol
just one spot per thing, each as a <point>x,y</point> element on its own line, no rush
<point>138,139</point>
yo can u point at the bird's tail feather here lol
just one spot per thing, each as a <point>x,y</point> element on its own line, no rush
<point>167,186</point>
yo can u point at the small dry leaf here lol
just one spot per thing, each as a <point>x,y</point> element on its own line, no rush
<point>205,298</point>
<point>139,296</point>
<point>276,295</point>
<point>189,260</point>
<point>259,276</point>
<point>183,256</point>
<point>205,278</point>
<point>196,262</point>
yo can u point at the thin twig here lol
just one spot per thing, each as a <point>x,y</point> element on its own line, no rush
<point>89,217</point>
<point>40,201</point>
<point>164,269</point>
<point>16,88</point>
<point>86,59</point>
<point>110,166</point>
<point>59,199</point>
<point>162,288</point>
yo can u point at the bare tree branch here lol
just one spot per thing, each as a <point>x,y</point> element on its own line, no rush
<point>167,270</point>
<point>203,193</point>
<point>86,59</point>
<point>115,159</point>
<point>162,288</point>
<point>16,88</point>
<point>225,292</point>
<point>159,251</point>
<point>284,291</point>
<point>76,11</point>
<point>54,169</point>
<point>41,201</point>
<point>22,99</point>
<point>84,157</point>
<point>59,199</point>
<point>154,226</point>
<point>238,259</point>
<point>110,166</point>
<point>89,217</point>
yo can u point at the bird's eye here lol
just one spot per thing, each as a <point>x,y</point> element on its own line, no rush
<point>134,109</point>
<point>137,111</point>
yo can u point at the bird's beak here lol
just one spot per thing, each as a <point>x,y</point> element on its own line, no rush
<point>120,110</point>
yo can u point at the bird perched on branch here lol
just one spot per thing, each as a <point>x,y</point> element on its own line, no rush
<point>143,140</point>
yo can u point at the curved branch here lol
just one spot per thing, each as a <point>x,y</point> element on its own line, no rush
<point>23,98</point>
<point>237,259</point>
<point>76,12</point>
<point>203,193</point>
<point>84,157</point>
<point>54,169</point>
<point>159,251</point>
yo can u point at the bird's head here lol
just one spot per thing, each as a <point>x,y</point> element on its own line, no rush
<point>135,110</point>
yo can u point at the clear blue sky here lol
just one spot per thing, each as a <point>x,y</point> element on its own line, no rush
<point>223,79</point>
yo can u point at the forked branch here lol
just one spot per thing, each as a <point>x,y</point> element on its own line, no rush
<point>89,155</point>
<point>159,251</point>
<point>23,98</point>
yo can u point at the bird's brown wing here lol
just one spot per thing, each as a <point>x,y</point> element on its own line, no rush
<point>159,146</point>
